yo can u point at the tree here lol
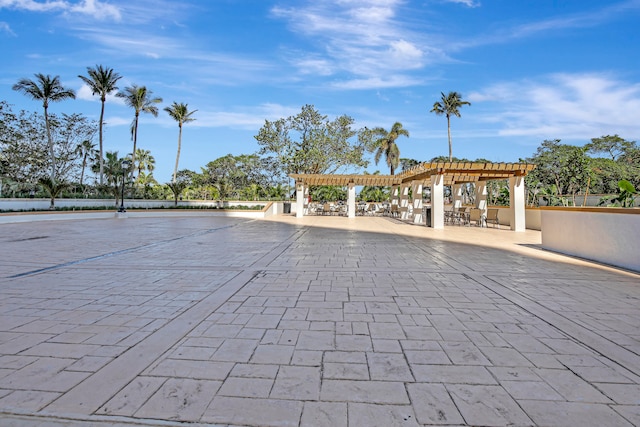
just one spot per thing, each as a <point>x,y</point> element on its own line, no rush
<point>612,145</point>
<point>68,132</point>
<point>449,105</point>
<point>87,151</point>
<point>53,189</point>
<point>181,114</point>
<point>46,89</point>
<point>23,156</point>
<point>406,164</point>
<point>241,171</point>
<point>385,144</point>
<point>140,99</point>
<point>113,173</point>
<point>309,143</point>
<point>618,164</point>
<point>181,180</point>
<point>565,167</point>
<point>145,162</point>
<point>102,81</point>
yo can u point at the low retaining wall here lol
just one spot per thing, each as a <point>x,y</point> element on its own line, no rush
<point>146,209</point>
<point>607,235</point>
<point>43,204</point>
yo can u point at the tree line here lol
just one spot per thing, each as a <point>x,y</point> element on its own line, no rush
<point>308,142</point>
<point>102,81</point>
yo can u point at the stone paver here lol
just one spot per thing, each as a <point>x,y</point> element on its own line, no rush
<point>312,322</point>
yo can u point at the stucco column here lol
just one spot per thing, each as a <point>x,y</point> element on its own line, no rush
<point>456,192</point>
<point>481,196</point>
<point>516,203</point>
<point>416,190</point>
<point>404,201</point>
<point>351,201</point>
<point>395,194</point>
<point>300,190</point>
<point>437,201</point>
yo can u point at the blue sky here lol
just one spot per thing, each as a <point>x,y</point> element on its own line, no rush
<point>532,69</point>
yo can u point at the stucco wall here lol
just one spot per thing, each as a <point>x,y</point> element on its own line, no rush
<point>607,235</point>
<point>43,204</point>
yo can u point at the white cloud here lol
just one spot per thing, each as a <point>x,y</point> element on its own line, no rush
<point>250,118</point>
<point>565,106</point>
<point>94,8</point>
<point>97,9</point>
<point>378,82</point>
<point>117,121</point>
<point>588,19</point>
<point>85,94</point>
<point>469,3</point>
<point>34,6</point>
<point>362,38</point>
<point>5,28</point>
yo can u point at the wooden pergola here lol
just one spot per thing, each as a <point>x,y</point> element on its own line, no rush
<point>433,174</point>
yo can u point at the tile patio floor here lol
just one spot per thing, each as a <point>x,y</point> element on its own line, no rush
<point>313,321</point>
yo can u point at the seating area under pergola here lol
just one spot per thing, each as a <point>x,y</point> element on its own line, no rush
<point>436,175</point>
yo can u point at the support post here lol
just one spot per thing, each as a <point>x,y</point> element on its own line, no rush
<point>416,190</point>
<point>300,190</point>
<point>481,198</point>
<point>351,201</point>
<point>404,201</point>
<point>517,203</point>
<point>437,201</point>
<point>456,192</point>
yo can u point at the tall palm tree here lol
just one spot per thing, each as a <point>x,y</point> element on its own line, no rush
<point>46,89</point>
<point>181,114</point>
<point>449,105</point>
<point>102,81</point>
<point>386,144</point>
<point>140,99</point>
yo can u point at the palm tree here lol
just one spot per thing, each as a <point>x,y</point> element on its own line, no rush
<point>87,150</point>
<point>181,114</point>
<point>46,89</point>
<point>386,144</point>
<point>102,81</point>
<point>139,98</point>
<point>144,161</point>
<point>449,105</point>
<point>52,188</point>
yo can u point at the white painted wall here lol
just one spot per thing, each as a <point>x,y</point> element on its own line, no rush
<point>43,204</point>
<point>606,235</point>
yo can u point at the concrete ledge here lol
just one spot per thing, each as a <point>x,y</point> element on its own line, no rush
<point>607,235</point>
<point>271,208</point>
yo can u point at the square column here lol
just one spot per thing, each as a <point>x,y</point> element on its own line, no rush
<point>481,197</point>
<point>516,203</point>
<point>456,192</point>
<point>437,201</point>
<point>395,194</point>
<point>351,201</point>
<point>416,190</point>
<point>404,201</point>
<point>300,191</point>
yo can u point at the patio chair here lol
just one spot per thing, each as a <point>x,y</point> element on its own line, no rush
<point>492,217</point>
<point>475,215</point>
<point>326,209</point>
<point>394,211</point>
